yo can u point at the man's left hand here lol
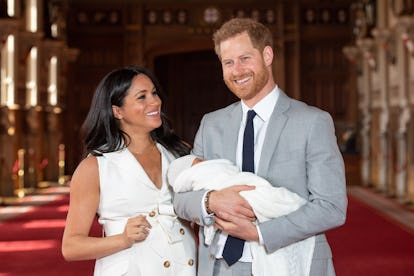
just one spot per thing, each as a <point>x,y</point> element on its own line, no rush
<point>236,226</point>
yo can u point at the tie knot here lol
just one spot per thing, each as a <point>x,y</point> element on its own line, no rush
<point>250,115</point>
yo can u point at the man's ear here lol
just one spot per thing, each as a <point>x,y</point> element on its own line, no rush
<point>117,112</point>
<point>268,55</point>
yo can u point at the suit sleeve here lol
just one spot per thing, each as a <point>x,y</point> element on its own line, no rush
<point>187,205</point>
<point>325,181</point>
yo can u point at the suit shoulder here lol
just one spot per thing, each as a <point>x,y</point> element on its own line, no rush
<point>304,110</point>
<point>220,113</point>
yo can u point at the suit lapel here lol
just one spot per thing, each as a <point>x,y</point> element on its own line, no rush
<point>232,126</point>
<point>276,124</point>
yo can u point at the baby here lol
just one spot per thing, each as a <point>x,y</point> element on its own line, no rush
<point>190,173</point>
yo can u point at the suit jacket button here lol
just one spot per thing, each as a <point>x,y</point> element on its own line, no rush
<point>152,213</point>
<point>190,262</point>
<point>167,264</point>
<point>182,231</point>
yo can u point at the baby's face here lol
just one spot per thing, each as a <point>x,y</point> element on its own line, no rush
<point>196,161</point>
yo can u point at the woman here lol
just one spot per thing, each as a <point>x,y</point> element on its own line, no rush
<point>129,144</point>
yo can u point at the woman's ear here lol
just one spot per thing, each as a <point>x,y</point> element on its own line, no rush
<point>117,112</point>
<point>268,55</point>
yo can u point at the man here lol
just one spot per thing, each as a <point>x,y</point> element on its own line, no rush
<point>288,143</point>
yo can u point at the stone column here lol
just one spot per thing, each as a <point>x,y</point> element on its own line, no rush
<point>354,55</point>
<point>368,64</point>
<point>382,35</point>
<point>403,50</point>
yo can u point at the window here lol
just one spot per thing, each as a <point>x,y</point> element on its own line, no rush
<point>31,82</point>
<point>7,72</point>
<point>10,8</point>
<point>31,16</point>
<point>52,88</point>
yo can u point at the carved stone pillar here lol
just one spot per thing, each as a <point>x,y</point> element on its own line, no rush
<point>410,157</point>
<point>370,161</point>
<point>404,50</point>
<point>382,37</point>
<point>407,37</point>
<point>354,55</point>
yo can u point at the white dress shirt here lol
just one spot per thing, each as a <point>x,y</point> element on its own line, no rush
<point>263,109</point>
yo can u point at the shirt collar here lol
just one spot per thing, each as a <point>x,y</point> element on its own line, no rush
<point>265,106</point>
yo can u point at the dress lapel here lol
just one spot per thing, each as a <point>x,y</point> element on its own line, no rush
<point>133,168</point>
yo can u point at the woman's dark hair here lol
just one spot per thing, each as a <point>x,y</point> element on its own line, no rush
<point>101,132</point>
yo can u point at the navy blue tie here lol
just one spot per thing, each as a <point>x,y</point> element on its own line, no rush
<point>233,249</point>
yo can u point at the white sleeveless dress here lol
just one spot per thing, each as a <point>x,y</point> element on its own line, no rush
<point>127,191</point>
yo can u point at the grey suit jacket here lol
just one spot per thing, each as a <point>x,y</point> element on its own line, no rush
<point>300,152</point>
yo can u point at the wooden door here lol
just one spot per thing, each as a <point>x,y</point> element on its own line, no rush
<point>193,85</point>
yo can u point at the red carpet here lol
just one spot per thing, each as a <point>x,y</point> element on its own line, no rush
<point>368,244</point>
<point>30,243</point>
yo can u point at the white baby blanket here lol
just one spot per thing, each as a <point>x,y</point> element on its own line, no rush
<point>267,202</point>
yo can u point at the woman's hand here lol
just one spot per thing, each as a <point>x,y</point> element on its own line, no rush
<point>136,230</point>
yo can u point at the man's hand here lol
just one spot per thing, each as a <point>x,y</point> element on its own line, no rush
<point>228,200</point>
<point>237,227</point>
